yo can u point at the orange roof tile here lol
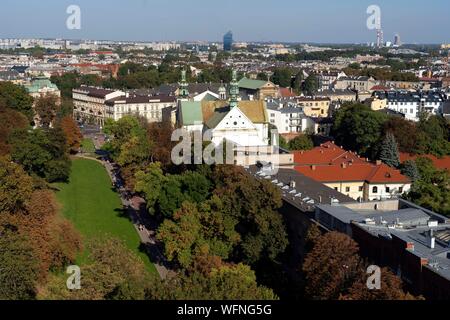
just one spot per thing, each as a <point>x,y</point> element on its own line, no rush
<point>368,172</point>
<point>326,154</point>
<point>286,93</point>
<point>440,163</point>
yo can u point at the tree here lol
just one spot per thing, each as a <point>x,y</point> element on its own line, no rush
<point>195,229</point>
<point>358,128</point>
<point>15,186</point>
<point>301,142</point>
<point>113,273</point>
<point>149,182</point>
<point>409,169</point>
<point>282,77</point>
<point>389,151</point>
<point>18,268</point>
<point>331,267</point>
<point>72,133</point>
<point>46,108</point>
<point>437,133</point>
<point>17,98</point>
<point>406,134</point>
<point>432,190</point>
<point>42,152</point>
<point>311,84</point>
<point>298,82</point>
<point>254,205</point>
<point>10,120</point>
<point>229,282</point>
<point>391,289</point>
<point>180,236</point>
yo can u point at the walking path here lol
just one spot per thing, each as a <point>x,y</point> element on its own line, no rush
<point>135,207</point>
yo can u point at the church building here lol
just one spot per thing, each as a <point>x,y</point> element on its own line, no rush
<point>244,123</point>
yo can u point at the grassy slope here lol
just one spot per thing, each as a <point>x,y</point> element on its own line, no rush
<point>94,208</point>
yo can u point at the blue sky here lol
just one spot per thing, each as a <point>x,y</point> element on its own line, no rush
<point>337,21</point>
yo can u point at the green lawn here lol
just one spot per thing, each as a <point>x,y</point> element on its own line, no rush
<point>94,208</point>
<point>87,145</point>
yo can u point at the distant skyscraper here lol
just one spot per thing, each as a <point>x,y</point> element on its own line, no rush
<point>397,41</point>
<point>228,41</point>
<point>380,38</point>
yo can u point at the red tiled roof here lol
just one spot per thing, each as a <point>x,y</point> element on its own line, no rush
<point>439,163</point>
<point>286,93</point>
<point>326,154</point>
<point>330,163</point>
<point>385,174</point>
<point>380,88</point>
<point>369,172</point>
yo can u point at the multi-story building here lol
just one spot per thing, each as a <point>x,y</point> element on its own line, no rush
<point>412,104</point>
<point>413,241</point>
<point>317,107</point>
<point>89,103</point>
<point>339,95</point>
<point>228,41</point>
<point>98,104</point>
<point>327,79</point>
<point>149,107</point>
<point>257,89</point>
<point>40,87</point>
<point>356,83</point>
<point>349,174</point>
<point>288,117</point>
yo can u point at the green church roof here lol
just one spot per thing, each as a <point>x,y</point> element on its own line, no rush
<point>39,83</point>
<point>191,112</point>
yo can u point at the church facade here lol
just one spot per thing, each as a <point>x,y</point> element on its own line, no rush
<point>244,123</point>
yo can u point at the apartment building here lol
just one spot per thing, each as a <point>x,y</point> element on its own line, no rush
<point>356,83</point>
<point>317,107</point>
<point>97,104</point>
<point>350,174</point>
<point>412,104</point>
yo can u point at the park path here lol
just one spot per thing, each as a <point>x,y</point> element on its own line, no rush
<point>145,227</point>
<point>136,209</point>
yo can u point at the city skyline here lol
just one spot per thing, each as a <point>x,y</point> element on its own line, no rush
<point>152,20</point>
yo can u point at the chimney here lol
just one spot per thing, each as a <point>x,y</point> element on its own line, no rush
<point>432,239</point>
<point>292,184</point>
<point>410,246</point>
<point>313,168</point>
<point>378,162</point>
<point>343,165</point>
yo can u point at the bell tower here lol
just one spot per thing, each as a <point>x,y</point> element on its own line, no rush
<point>183,86</point>
<point>234,90</point>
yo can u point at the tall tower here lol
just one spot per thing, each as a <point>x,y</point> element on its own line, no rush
<point>380,38</point>
<point>183,90</point>
<point>234,90</point>
<point>228,41</point>
<point>397,41</point>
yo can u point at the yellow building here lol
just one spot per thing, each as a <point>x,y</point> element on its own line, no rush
<point>376,104</point>
<point>316,107</point>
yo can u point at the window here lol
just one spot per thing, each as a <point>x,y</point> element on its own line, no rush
<point>388,190</point>
<point>400,189</point>
<point>347,189</point>
<point>375,189</point>
<point>336,188</point>
<point>360,189</point>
